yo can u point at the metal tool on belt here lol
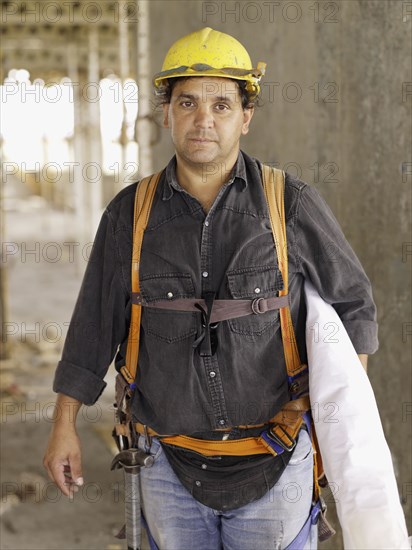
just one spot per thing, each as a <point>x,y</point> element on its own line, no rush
<point>131,460</point>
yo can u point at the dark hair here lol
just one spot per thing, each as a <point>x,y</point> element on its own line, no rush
<point>246,97</point>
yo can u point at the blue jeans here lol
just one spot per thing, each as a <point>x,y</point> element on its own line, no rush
<point>178,522</point>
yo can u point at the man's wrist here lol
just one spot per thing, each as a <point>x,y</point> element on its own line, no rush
<point>363,358</point>
<point>65,411</point>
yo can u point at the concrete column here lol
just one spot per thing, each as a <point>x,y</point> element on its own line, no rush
<point>78,144</point>
<point>144,72</point>
<point>124,74</point>
<point>336,111</point>
<point>94,178</point>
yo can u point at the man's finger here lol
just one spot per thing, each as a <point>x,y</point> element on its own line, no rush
<point>76,469</point>
<point>57,474</point>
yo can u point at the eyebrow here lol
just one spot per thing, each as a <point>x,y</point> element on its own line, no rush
<point>195,97</point>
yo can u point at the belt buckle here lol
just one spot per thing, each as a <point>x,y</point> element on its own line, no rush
<point>279,441</point>
<point>256,306</point>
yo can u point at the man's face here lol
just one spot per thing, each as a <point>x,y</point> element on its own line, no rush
<point>206,120</point>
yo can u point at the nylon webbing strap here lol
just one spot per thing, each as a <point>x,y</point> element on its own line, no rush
<point>143,202</point>
<point>231,447</point>
<point>274,186</point>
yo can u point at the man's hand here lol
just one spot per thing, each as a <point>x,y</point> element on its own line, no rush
<point>62,459</point>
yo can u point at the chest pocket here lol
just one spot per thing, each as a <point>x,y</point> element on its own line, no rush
<point>255,282</point>
<point>165,325</point>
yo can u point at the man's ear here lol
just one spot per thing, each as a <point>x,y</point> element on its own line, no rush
<point>166,107</point>
<point>247,117</point>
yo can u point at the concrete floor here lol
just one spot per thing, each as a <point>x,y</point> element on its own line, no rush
<point>34,514</point>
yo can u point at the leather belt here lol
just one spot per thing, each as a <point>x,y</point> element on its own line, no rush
<point>222,310</point>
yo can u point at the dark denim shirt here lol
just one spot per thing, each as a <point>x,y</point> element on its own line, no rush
<point>229,251</point>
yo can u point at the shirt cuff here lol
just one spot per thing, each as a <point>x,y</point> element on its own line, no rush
<point>364,335</point>
<point>77,382</point>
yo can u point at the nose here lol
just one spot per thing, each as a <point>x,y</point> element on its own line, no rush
<point>204,117</point>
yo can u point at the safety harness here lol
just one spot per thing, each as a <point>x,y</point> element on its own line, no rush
<point>281,431</point>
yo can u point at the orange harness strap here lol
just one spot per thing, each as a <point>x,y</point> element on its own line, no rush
<point>143,203</point>
<point>235,447</point>
<point>286,425</point>
<point>274,186</point>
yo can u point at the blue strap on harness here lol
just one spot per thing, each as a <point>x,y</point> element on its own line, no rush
<point>275,446</point>
<point>307,417</point>
<point>301,538</point>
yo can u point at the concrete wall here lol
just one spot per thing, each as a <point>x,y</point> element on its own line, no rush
<point>335,110</point>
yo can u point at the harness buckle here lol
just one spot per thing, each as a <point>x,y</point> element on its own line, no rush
<point>286,446</point>
<point>256,306</point>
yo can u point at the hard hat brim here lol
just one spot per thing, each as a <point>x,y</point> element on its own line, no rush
<point>249,75</point>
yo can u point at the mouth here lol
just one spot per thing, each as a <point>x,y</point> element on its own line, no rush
<point>201,140</point>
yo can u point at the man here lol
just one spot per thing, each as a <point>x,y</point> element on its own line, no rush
<point>208,237</point>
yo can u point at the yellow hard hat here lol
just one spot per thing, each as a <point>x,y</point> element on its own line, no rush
<point>209,53</point>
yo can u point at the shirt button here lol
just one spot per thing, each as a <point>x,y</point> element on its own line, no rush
<point>198,483</point>
<point>204,466</point>
<point>212,374</point>
<point>222,422</point>
<point>257,290</point>
<point>207,224</point>
<point>170,295</point>
<point>205,274</point>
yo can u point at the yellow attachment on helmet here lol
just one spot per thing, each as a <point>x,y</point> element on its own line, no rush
<point>209,53</point>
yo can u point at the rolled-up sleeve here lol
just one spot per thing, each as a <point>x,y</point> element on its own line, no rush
<point>98,323</point>
<point>328,261</point>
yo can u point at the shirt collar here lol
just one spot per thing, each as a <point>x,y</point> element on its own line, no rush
<point>171,184</point>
